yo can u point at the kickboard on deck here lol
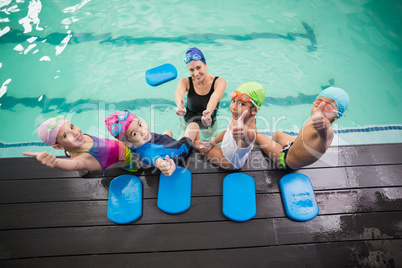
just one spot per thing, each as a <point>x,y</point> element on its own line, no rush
<point>125,199</point>
<point>239,201</point>
<point>298,197</point>
<point>174,193</point>
<point>160,74</point>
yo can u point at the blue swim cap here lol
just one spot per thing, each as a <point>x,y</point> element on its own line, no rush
<point>340,97</point>
<point>195,51</point>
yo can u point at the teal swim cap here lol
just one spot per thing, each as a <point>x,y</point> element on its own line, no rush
<point>255,91</point>
<point>340,97</point>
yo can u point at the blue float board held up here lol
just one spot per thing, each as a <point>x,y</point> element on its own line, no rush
<point>174,194</point>
<point>239,202</point>
<point>298,197</point>
<point>161,74</point>
<point>125,199</point>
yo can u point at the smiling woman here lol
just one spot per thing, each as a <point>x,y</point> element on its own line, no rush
<point>204,91</point>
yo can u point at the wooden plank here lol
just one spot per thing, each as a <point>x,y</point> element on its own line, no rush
<point>29,167</point>
<point>15,191</point>
<point>337,156</point>
<point>197,236</point>
<point>333,178</point>
<point>376,154</point>
<point>354,177</point>
<point>364,155</point>
<point>50,190</point>
<point>387,225</point>
<point>359,200</point>
<point>203,209</point>
<point>32,169</point>
<point>133,238</point>
<point>377,253</point>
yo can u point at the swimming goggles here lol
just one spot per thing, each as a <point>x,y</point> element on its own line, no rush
<point>327,107</point>
<point>194,57</point>
<point>53,124</point>
<point>243,96</point>
<point>116,127</point>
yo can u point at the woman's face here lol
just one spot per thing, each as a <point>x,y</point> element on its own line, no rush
<point>197,70</point>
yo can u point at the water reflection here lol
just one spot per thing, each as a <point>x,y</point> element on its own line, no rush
<point>62,105</point>
<point>17,36</point>
<point>32,18</point>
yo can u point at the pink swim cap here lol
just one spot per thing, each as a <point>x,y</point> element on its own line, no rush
<point>49,129</point>
<point>118,122</point>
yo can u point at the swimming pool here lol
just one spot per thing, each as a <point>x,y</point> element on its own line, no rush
<point>85,59</point>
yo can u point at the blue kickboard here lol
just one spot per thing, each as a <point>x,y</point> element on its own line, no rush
<point>239,202</point>
<point>160,74</point>
<point>125,199</point>
<point>298,197</point>
<point>174,194</point>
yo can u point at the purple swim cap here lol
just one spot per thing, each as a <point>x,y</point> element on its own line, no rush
<point>195,51</point>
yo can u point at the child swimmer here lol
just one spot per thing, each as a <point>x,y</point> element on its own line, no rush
<point>161,151</point>
<point>87,152</point>
<point>241,133</point>
<point>314,138</point>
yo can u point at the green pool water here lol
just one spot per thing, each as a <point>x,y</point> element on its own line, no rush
<point>87,59</point>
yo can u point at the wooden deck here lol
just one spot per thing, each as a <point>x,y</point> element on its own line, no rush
<point>51,218</point>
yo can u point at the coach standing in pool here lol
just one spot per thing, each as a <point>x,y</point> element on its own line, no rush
<point>204,91</point>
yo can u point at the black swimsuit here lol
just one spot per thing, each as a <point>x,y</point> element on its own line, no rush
<point>196,104</point>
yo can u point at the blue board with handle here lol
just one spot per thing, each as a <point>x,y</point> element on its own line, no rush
<point>239,201</point>
<point>298,197</point>
<point>125,199</point>
<point>174,193</point>
<point>161,74</point>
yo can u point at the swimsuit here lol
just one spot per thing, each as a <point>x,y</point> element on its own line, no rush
<point>161,145</point>
<point>283,156</point>
<point>108,152</point>
<point>197,104</point>
<point>235,155</point>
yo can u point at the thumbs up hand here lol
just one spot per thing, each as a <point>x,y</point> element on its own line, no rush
<point>239,130</point>
<point>319,121</point>
<point>45,158</point>
<point>206,118</point>
<point>181,110</point>
<point>167,166</point>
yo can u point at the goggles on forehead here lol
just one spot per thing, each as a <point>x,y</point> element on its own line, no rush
<point>187,59</point>
<point>53,124</point>
<point>116,127</point>
<point>327,107</point>
<point>243,96</point>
